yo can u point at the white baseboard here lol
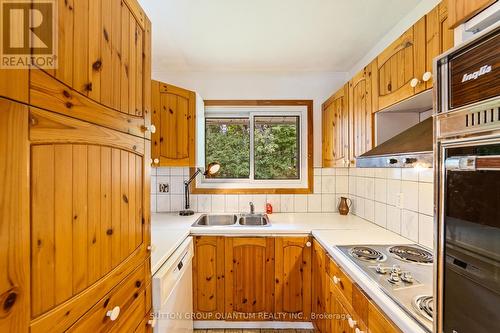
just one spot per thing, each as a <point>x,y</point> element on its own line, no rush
<point>222,324</point>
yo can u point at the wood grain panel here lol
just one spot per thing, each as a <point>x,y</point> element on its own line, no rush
<point>94,235</point>
<point>14,218</point>
<point>293,277</point>
<point>378,323</point>
<point>462,10</point>
<point>48,127</point>
<point>132,71</point>
<point>81,46</point>
<point>249,276</point>
<point>42,229</point>
<point>13,84</point>
<point>50,94</point>
<point>63,168</point>
<point>125,59</point>
<point>106,67</point>
<point>147,82</point>
<point>319,286</point>
<point>64,70</point>
<point>124,203</point>
<point>106,228</point>
<point>80,217</point>
<point>139,65</point>
<point>155,119</point>
<point>116,200</point>
<point>94,65</point>
<point>116,47</point>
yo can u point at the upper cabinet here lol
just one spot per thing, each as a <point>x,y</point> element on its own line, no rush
<point>173,119</point>
<point>361,106</point>
<point>439,37</point>
<point>400,67</point>
<point>335,120</point>
<point>462,10</point>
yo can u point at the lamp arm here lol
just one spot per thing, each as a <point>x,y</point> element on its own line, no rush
<point>186,187</point>
<point>198,170</point>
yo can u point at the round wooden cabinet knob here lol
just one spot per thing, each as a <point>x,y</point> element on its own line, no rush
<point>336,280</point>
<point>308,244</point>
<point>427,76</point>
<point>414,82</point>
<point>351,322</point>
<point>151,248</point>
<point>156,161</point>
<point>113,314</point>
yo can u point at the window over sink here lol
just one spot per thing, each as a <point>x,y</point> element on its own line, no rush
<point>262,147</point>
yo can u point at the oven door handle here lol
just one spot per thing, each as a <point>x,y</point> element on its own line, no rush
<point>472,163</point>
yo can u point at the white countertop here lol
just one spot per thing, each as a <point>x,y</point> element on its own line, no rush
<point>168,231</point>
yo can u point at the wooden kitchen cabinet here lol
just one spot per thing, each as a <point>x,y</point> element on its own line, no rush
<point>103,52</point>
<point>293,273</point>
<point>462,10</point>
<point>398,64</point>
<point>361,106</point>
<point>320,291</point>
<point>208,277</point>
<point>439,37</point>
<point>249,277</point>
<point>173,143</point>
<point>335,120</point>
<point>378,322</point>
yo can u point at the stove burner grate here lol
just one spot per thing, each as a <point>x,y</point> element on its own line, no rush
<point>424,305</point>
<point>412,254</point>
<point>367,254</point>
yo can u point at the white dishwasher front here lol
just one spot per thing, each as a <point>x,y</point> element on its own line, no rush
<point>173,292</point>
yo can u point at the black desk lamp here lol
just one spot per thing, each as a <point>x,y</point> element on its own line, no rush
<point>212,169</point>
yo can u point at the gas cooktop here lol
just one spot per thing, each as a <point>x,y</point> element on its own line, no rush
<point>403,272</point>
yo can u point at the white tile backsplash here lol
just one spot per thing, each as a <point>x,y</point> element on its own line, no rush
<point>400,200</point>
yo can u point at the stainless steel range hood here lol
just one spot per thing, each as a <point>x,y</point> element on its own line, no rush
<point>408,149</point>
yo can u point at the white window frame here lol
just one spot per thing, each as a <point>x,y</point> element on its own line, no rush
<point>251,112</point>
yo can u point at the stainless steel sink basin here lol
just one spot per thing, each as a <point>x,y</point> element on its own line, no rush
<point>254,220</point>
<point>215,220</point>
<point>244,220</point>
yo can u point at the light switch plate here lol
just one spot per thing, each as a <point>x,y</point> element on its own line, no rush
<point>163,188</point>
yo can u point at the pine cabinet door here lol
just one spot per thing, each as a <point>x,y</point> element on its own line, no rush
<point>319,286</point>
<point>208,277</point>
<point>335,120</point>
<point>88,216</point>
<point>249,277</point>
<point>360,112</point>
<point>293,277</point>
<point>328,136</point>
<point>399,63</point>
<point>439,37</point>
<point>174,119</point>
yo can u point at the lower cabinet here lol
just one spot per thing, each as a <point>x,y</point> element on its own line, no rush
<point>249,277</point>
<point>252,278</point>
<point>319,291</point>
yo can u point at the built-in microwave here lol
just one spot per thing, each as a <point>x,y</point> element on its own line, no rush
<point>467,186</point>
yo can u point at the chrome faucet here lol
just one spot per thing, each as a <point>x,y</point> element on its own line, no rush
<point>252,208</point>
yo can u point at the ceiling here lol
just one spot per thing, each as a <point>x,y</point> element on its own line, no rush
<point>268,35</point>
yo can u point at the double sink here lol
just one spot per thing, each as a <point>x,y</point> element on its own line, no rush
<point>250,220</point>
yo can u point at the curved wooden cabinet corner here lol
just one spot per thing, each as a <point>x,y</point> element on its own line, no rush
<point>75,172</point>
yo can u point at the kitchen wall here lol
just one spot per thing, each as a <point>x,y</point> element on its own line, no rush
<point>329,185</point>
<point>400,200</point>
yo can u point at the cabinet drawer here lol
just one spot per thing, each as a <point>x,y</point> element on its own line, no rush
<point>341,280</point>
<point>128,297</point>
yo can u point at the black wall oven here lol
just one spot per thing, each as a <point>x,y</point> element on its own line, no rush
<point>467,166</point>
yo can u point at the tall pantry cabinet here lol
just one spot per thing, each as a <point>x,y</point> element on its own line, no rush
<point>74,175</point>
